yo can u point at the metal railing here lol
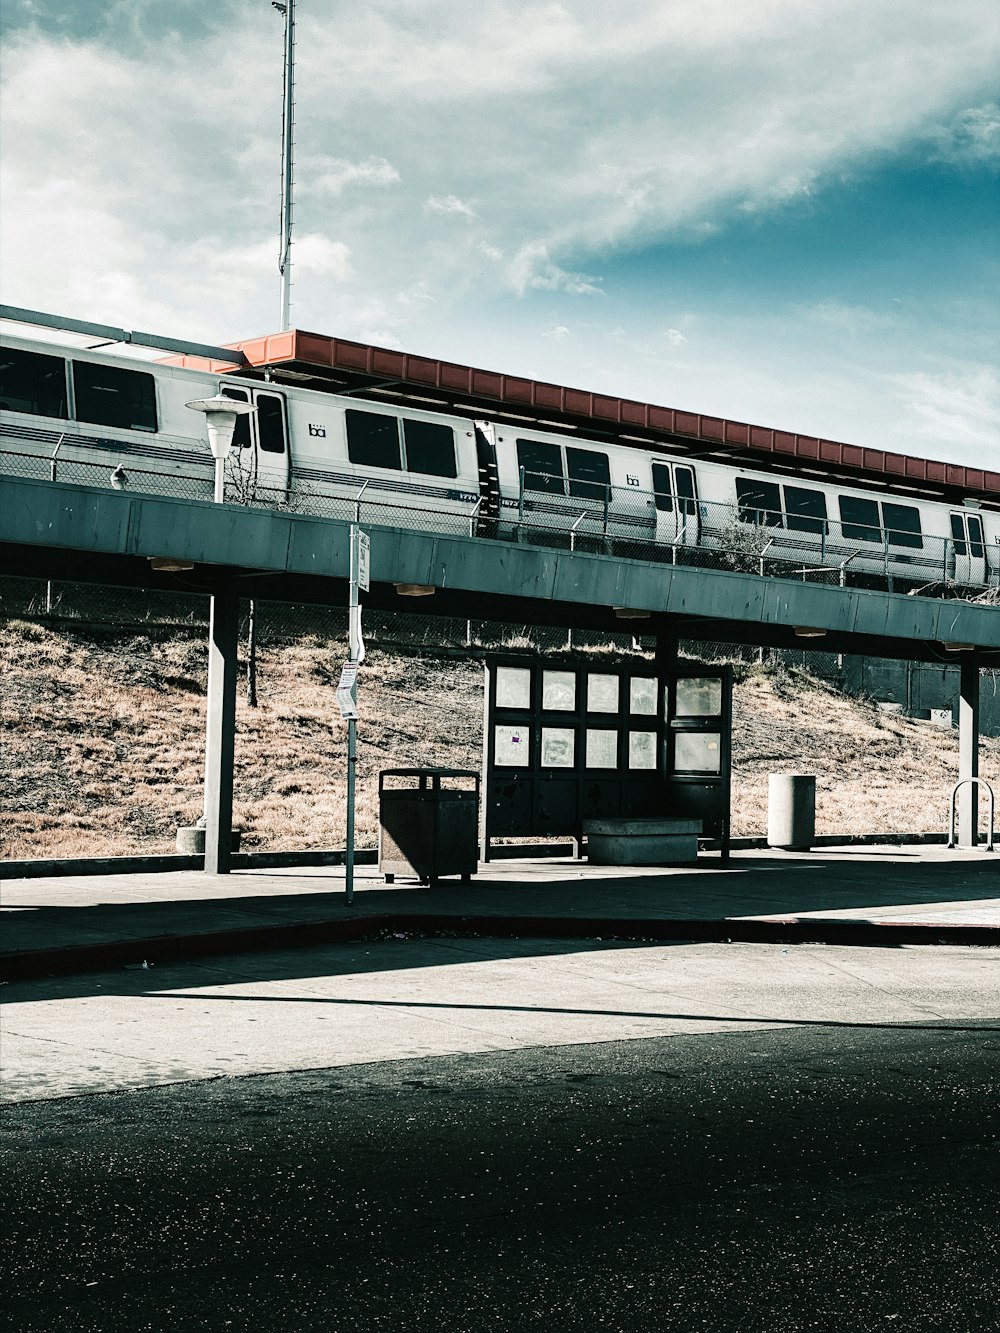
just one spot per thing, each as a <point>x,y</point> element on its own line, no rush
<point>622,522</point>
<point>975,783</point>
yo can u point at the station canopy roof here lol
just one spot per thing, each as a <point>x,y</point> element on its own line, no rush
<point>339,365</point>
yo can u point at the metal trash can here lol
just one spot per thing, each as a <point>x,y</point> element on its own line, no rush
<point>426,829</point>
<point>791,811</point>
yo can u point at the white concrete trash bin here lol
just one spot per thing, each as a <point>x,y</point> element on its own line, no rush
<point>791,811</point>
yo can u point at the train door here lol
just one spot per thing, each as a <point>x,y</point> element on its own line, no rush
<point>676,501</point>
<point>969,548</point>
<point>260,464</point>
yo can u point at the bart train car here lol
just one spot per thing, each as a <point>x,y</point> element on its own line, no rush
<point>76,414</point>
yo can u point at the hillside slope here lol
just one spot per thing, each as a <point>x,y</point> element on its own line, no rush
<point>103,736</point>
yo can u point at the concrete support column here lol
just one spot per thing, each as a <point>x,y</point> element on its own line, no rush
<point>220,735</point>
<point>968,752</point>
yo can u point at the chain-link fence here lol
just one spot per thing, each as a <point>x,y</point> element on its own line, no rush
<point>857,548</point>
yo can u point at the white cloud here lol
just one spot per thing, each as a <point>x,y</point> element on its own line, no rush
<point>333,175</point>
<point>675,338</point>
<point>315,254</point>
<point>141,179</point>
<point>558,333</point>
<point>532,269</point>
<point>450,206</point>
<point>962,404</point>
<point>972,137</point>
<point>850,320</point>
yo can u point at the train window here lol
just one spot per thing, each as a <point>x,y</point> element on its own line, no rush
<point>241,431</point>
<point>270,424</point>
<point>684,478</point>
<point>542,465</point>
<point>111,396</point>
<point>759,502</point>
<point>976,544</point>
<point>373,439</point>
<point>805,511</point>
<point>589,475</point>
<point>958,534</point>
<point>902,525</point>
<point>430,448</point>
<point>662,490</point>
<point>859,519</point>
<point>30,382</point>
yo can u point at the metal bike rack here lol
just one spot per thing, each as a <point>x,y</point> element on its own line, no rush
<point>976,782</point>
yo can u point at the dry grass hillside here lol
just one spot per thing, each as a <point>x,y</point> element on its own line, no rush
<point>102,744</point>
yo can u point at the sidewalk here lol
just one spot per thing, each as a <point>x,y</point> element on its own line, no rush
<point>850,895</point>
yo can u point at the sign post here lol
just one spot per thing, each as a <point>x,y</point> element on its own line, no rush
<point>347,688</point>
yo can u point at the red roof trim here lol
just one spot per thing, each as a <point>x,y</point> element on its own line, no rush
<point>341,354</point>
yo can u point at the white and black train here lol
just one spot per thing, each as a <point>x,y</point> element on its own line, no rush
<point>73,414</point>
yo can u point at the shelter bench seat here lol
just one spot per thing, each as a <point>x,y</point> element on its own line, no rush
<point>641,842</point>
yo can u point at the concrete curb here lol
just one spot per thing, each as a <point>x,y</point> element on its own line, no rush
<point>367,856</point>
<point>83,958</point>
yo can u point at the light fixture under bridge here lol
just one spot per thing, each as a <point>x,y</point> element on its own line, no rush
<point>415,589</point>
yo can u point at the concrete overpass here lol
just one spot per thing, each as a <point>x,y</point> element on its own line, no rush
<point>82,533</point>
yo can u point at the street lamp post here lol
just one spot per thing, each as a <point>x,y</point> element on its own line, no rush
<point>220,721</point>
<point>220,417</point>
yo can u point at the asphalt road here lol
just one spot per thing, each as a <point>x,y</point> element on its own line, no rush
<point>819,1178</point>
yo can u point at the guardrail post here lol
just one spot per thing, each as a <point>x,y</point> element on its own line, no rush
<point>968,749</point>
<point>220,728</point>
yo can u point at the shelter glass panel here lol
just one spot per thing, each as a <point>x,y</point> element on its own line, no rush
<point>602,693</point>
<point>511,746</point>
<point>513,687</point>
<point>642,695</point>
<point>902,525</point>
<point>30,382</point>
<point>542,463</point>
<point>642,749</point>
<point>589,474</point>
<point>697,752</point>
<point>111,396</point>
<point>699,696</point>
<point>558,747</point>
<point>602,748</point>
<point>559,691</point>
<point>859,519</point>
<point>373,439</point>
<point>805,511</point>
<point>430,448</point>
<point>270,423</point>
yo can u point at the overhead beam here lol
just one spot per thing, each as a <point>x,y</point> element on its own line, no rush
<point>92,521</point>
<point>111,333</point>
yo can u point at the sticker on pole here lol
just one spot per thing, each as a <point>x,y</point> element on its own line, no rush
<point>347,692</point>
<point>364,559</point>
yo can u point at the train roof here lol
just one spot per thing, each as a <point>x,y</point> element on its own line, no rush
<point>340,365</point>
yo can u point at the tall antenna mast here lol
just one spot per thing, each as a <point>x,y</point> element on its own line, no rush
<point>287,126</point>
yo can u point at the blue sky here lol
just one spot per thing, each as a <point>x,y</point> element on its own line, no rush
<point>781,212</point>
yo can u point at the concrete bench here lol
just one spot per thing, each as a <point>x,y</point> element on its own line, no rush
<point>641,842</point>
